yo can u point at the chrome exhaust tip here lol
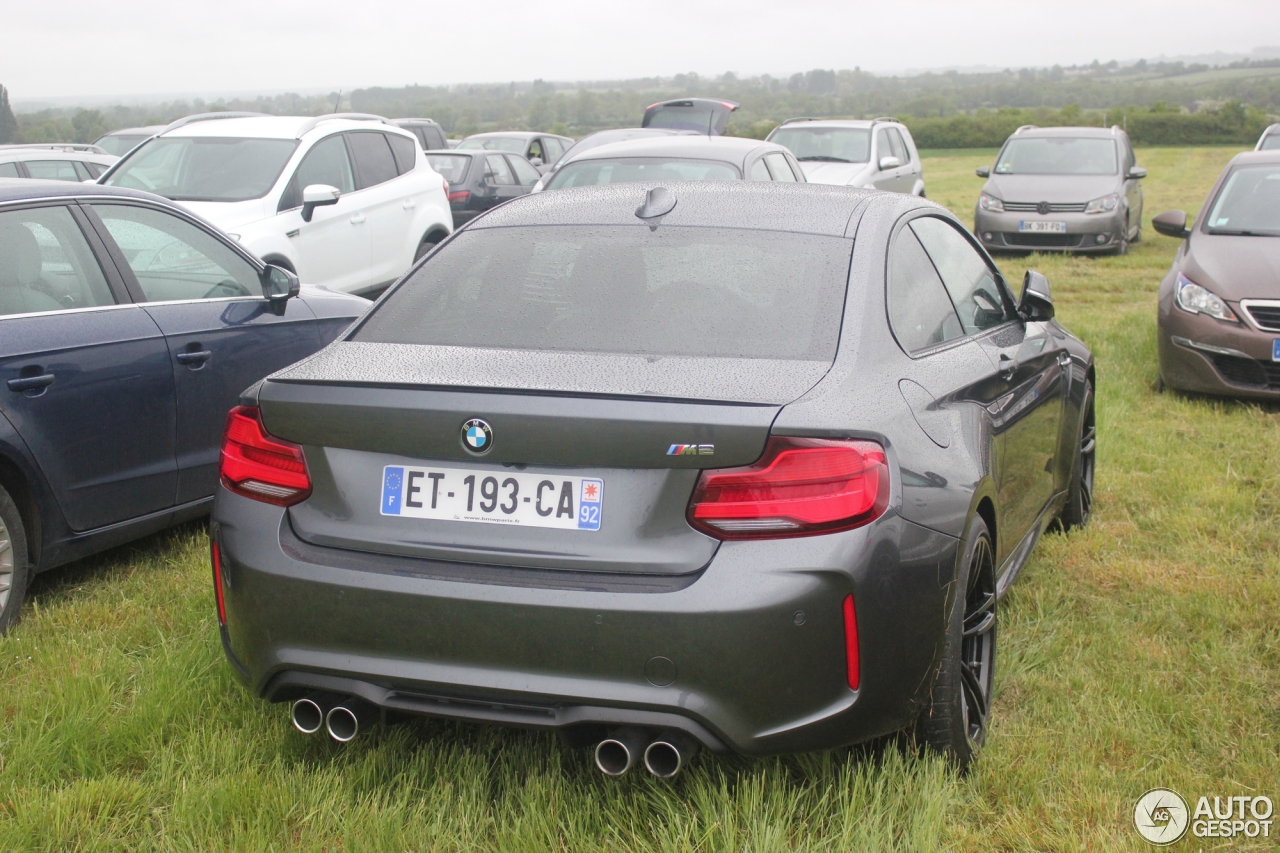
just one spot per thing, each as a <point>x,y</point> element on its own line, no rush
<point>617,754</point>
<point>347,719</point>
<point>668,755</point>
<point>308,714</point>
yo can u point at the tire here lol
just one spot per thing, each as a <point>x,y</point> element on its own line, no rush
<point>955,723</point>
<point>428,243</point>
<point>14,570</point>
<point>1080,491</point>
<point>1123,248</point>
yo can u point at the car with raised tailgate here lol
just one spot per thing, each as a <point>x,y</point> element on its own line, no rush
<point>735,465</point>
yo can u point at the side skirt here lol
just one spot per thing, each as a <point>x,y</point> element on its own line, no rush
<point>1018,557</point>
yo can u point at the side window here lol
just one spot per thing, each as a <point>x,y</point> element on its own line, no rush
<point>9,170</point>
<point>374,161</point>
<point>53,170</point>
<point>405,152</point>
<point>884,148</point>
<point>46,264</point>
<point>326,163</point>
<point>434,137</point>
<point>970,282</point>
<point>94,169</point>
<point>173,259</point>
<point>780,167</point>
<point>497,171</point>
<point>920,311</point>
<point>555,148</point>
<point>759,171</point>
<point>899,147</point>
<point>525,173</point>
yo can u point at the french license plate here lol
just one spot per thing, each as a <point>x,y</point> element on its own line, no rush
<point>1275,350</point>
<point>460,494</point>
<point>1040,227</point>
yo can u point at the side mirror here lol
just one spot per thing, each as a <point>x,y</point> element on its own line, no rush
<point>1035,304</point>
<point>279,286</point>
<point>1137,172</point>
<point>318,195</point>
<point>983,171</point>
<point>889,163</point>
<point>536,161</point>
<point>1172,223</point>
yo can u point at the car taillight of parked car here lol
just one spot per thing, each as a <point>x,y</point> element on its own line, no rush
<point>460,196</point>
<point>798,487</point>
<point>258,465</point>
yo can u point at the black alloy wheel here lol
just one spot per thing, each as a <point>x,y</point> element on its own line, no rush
<point>1080,492</point>
<point>955,723</point>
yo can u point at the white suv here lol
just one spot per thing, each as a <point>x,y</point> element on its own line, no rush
<point>346,200</point>
<point>873,153</point>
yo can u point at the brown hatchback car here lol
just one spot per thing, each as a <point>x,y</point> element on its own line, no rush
<point>1219,314</point>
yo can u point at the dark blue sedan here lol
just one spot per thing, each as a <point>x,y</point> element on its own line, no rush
<point>128,328</point>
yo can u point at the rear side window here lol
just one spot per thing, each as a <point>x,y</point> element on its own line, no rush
<point>709,292</point>
<point>326,163</point>
<point>53,170</point>
<point>9,170</point>
<point>46,265</point>
<point>760,172</point>
<point>780,167</point>
<point>525,173</point>
<point>970,282</point>
<point>405,151</point>
<point>374,161</point>
<point>920,310</point>
<point>94,169</point>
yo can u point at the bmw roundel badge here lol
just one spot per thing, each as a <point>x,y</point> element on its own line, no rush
<point>477,436</point>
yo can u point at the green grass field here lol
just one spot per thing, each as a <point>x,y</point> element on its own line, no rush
<point>1143,651</point>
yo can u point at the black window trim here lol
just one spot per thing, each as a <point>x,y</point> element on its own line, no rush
<point>355,162</point>
<point>1003,286</point>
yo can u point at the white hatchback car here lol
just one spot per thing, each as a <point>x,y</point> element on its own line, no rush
<point>872,153</point>
<point>347,200</point>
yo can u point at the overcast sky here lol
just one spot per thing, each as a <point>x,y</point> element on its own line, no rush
<point>60,48</point>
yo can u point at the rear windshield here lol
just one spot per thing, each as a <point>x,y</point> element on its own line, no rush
<point>452,167</point>
<point>829,144</point>
<point>706,292</point>
<point>1248,203</point>
<point>217,168</point>
<point>514,144</point>
<point>585,173</point>
<point>699,117</point>
<point>1058,156</point>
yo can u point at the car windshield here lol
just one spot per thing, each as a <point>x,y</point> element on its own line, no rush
<point>1270,142</point>
<point>829,144</point>
<point>672,291</point>
<point>514,144</point>
<point>118,145</point>
<point>1058,155</point>
<point>452,167</point>
<point>218,168</point>
<point>583,173</point>
<point>1248,203</point>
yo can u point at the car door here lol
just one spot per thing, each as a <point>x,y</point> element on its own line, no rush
<point>1132,188</point>
<point>222,335</point>
<point>334,248</point>
<point>87,378</point>
<point>1028,389</point>
<point>526,174</point>
<point>905,175</point>
<point>388,199</point>
<point>499,182</point>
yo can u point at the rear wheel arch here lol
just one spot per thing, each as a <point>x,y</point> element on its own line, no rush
<point>14,481</point>
<point>430,240</point>
<point>987,509</point>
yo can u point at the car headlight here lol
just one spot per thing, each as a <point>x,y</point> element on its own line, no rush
<point>986,201</point>
<point>1106,204</point>
<point>1195,299</point>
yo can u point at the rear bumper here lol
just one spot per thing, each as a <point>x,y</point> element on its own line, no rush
<point>746,655</point>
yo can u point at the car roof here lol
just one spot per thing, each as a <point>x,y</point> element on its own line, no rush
<point>1248,157</point>
<point>762,205</point>
<point>149,130</point>
<point>729,149</point>
<point>277,127</point>
<point>403,121</point>
<point>36,152</point>
<point>467,152</point>
<point>24,189</point>
<point>862,123</point>
<point>1085,132</point>
<point>512,134</point>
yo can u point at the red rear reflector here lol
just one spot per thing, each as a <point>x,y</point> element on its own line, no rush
<point>217,581</point>
<point>460,195</point>
<point>852,667</point>
<point>260,466</point>
<point>799,487</point>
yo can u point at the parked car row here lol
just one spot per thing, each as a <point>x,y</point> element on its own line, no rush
<point>54,162</point>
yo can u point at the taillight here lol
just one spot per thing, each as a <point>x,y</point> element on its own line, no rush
<point>217,581</point>
<point>445,182</point>
<point>460,195</point>
<point>260,466</point>
<point>853,667</point>
<point>799,487</point>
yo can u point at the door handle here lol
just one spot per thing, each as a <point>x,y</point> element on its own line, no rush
<point>1007,367</point>
<point>409,204</point>
<point>194,358</point>
<point>31,383</point>
<point>357,219</point>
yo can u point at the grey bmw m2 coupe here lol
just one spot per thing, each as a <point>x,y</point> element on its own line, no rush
<point>725,465</point>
